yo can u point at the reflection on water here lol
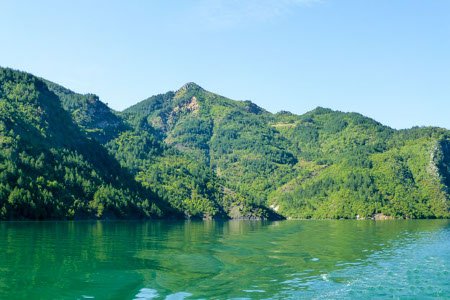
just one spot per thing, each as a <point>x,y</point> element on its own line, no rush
<point>224,260</point>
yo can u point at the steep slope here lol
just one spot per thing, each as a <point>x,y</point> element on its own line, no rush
<point>233,138</point>
<point>441,159</point>
<point>188,187</point>
<point>185,172</point>
<point>67,155</point>
<point>50,169</point>
<point>323,164</point>
<point>93,116</point>
<point>354,166</point>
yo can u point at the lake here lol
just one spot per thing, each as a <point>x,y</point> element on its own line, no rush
<point>225,260</point>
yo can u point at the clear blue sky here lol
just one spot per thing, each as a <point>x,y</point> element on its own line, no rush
<point>387,59</point>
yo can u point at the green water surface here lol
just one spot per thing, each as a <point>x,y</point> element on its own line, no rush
<point>225,260</point>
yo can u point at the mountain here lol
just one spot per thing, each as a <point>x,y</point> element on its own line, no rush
<point>195,153</point>
<point>49,169</point>
<point>233,139</point>
<point>352,165</point>
<point>181,178</point>
<point>93,116</point>
<point>323,164</point>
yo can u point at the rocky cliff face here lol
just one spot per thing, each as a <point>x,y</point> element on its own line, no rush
<point>442,161</point>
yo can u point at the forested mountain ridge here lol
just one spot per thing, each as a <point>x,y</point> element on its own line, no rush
<point>49,169</point>
<point>190,187</point>
<point>323,164</point>
<point>355,165</point>
<point>94,117</point>
<point>231,137</point>
<point>196,153</point>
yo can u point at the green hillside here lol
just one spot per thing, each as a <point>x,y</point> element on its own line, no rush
<point>50,169</point>
<point>353,166</point>
<point>194,153</point>
<point>93,116</point>
<point>323,164</point>
<point>234,139</point>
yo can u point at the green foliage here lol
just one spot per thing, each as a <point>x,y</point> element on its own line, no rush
<point>187,186</point>
<point>49,168</point>
<point>89,113</point>
<point>198,154</point>
<point>368,169</point>
<point>324,164</point>
<point>232,138</point>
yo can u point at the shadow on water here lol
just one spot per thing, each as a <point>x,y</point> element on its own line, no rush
<point>235,259</point>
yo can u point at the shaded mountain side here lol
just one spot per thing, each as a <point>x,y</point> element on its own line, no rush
<point>441,158</point>
<point>188,187</point>
<point>93,116</point>
<point>50,169</point>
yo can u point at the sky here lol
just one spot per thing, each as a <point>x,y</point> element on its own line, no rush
<point>387,59</point>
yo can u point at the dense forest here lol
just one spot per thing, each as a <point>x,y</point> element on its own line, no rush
<point>49,168</point>
<point>194,153</point>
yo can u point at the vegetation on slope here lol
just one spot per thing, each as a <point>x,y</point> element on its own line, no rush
<point>323,164</point>
<point>231,138</point>
<point>194,153</point>
<point>50,169</point>
<point>93,116</point>
<point>357,167</point>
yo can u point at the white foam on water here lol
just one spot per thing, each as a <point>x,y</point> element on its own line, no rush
<point>178,296</point>
<point>254,291</point>
<point>315,259</point>
<point>146,294</point>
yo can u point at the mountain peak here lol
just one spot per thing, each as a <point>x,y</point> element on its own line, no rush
<point>190,86</point>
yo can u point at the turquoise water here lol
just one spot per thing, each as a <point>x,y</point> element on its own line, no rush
<point>225,260</point>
